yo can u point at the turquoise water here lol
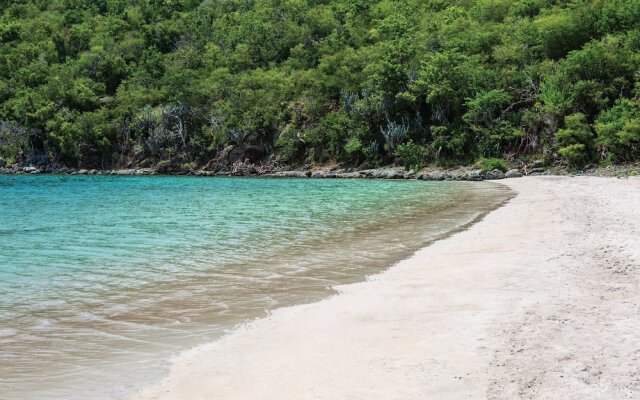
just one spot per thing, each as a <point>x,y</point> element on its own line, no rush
<point>103,279</point>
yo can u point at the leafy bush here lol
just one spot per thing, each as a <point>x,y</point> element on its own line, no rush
<point>490,164</point>
<point>575,154</point>
<point>13,140</point>
<point>353,148</point>
<point>411,155</point>
<point>619,131</point>
<point>575,140</point>
<point>330,138</point>
<point>331,80</point>
<point>288,144</point>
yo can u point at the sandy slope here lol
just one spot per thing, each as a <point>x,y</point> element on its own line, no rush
<point>540,300</point>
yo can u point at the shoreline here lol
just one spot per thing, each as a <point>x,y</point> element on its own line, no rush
<point>428,173</point>
<point>431,211</point>
<point>520,323</point>
<point>396,173</point>
<point>387,172</point>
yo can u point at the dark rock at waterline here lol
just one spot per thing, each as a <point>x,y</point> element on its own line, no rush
<point>390,173</point>
<point>393,175</point>
<point>3,163</point>
<point>536,164</point>
<point>30,170</point>
<point>495,174</point>
<point>536,171</point>
<point>472,175</point>
<point>410,175</point>
<point>513,173</point>
<point>290,174</point>
<point>350,175</point>
<point>434,176</point>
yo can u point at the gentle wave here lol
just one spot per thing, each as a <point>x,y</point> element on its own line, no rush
<point>102,279</point>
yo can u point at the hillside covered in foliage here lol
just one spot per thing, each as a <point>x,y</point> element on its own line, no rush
<point>103,83</point>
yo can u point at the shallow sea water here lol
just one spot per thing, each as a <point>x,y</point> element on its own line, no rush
<point>104,279</point>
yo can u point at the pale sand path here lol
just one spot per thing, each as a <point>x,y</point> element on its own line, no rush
<point>541,299</point>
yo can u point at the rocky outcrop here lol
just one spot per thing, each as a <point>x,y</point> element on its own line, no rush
<point>472,175</point>
<point>513,173</point>
<point>434,176</point>
<point>268,167</point>
<point>495,174</point>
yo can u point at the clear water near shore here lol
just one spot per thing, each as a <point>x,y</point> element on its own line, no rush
<point>103,279</point>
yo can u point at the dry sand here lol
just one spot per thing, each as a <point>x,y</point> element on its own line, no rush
<point>540,299</point>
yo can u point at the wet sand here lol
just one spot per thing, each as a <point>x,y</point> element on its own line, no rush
<point>539,300</point>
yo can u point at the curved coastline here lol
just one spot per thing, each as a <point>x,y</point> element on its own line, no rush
<point>418,213</point>
<point>533,301</point>
<point>504,195</point>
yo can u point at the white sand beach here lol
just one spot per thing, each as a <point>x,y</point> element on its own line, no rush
<point>539,300</point>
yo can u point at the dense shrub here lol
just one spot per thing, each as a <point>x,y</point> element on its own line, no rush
<point>491,164</point>
<point>93,83</point>
<point>619,131</point>
<point>411,154</point>
<point>575,140</point>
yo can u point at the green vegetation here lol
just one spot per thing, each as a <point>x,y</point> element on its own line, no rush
<point>105,83</point>
<point>491,164</point>
<point>411,155</point>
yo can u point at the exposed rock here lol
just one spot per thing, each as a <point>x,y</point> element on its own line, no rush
<point>243,168</point>
<point>410,175</point>
<point>290,174</point>
<point>146,163</point>
<point>350,175</point>
<point>495,174</point>
<point>63,170</point>
<point>397,173</point>
<point>168,167</point>
<point>536,171</point>
<point>513,173</point>
<point>434,176</point>
<point>250,154</point>
<point>3,163</point>
<point>83,172</point>
<point>472,175</point>
<point>125,172</point>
